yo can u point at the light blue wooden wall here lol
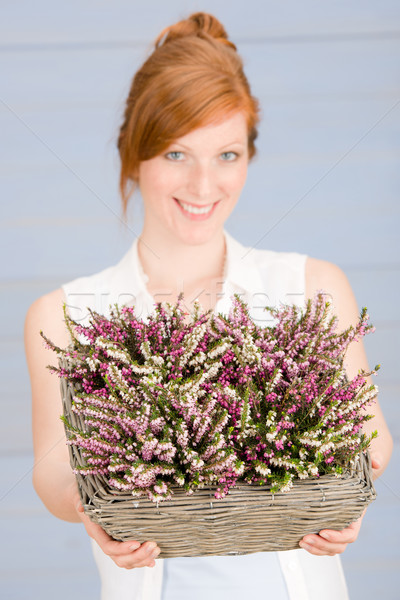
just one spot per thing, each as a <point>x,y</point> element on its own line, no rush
<point>326,182</point>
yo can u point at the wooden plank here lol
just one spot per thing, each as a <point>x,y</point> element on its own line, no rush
<point>16,423</point>
<point>55,256</point>
<point>102,76</point>
<point>68,78</point>
<point>371,579</point>
<point>377,290</point>
<point>71,139</point>
<point>16,490</point>
<point>43,583</point>
<point>383,348</point>
<point>389,400</point>
<point>317,69</point>
<point>311,128</point>
<point>13,368</point>
<point>332,238</point>
<point>82,23</point>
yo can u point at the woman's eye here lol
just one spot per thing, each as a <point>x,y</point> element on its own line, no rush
<point>175,155</point>
<point>229,156</point>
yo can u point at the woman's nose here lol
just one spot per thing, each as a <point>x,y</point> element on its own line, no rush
<point>201,182</point>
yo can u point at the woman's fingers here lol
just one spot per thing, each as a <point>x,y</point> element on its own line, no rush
<point>319,548</point>
<point>327,543</point>
<point>106,542</point>
<point>330,542</point>
<point>143,557</point>
<point>129,554</point>
<point>376,464</point>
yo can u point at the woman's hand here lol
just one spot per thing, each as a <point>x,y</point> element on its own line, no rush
<point>128,555</point>
<point>330,542</point>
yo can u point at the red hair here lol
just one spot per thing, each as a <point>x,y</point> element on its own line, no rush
<point>193,77</point>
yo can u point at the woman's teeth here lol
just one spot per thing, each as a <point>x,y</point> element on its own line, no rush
<point>195,210</point>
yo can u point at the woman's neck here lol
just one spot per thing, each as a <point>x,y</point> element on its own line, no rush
<point>173,265</point>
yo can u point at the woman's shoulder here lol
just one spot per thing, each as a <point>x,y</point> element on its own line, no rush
<point>326,276</point>
<point>329,278</point>
<point>45,314</point>
<point>46,307</point>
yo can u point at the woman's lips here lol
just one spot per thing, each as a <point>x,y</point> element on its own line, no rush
<point>196,212</point>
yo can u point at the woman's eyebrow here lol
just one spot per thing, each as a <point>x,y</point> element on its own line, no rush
<point>232,143</point>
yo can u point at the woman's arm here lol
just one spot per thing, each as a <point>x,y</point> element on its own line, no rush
<point>52,476</point>
<point>53,479</point>
<point>322,275</point>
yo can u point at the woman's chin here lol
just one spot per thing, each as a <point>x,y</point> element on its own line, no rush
<point>197,236</point>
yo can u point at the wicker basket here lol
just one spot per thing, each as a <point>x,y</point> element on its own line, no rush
<point>249,519</point>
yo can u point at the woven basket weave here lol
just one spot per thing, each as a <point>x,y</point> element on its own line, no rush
<point>249,519</point>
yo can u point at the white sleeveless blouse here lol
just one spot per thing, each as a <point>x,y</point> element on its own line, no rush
<point>262,278</point>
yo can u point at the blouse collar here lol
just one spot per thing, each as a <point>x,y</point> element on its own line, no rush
<point>242,277</point>
<point>241,268</point>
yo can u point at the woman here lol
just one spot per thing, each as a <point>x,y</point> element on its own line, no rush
<point>187,136</point>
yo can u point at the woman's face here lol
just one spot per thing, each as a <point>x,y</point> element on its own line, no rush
<point>190,190</point>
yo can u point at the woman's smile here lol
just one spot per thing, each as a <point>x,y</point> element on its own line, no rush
<point>196,212</point>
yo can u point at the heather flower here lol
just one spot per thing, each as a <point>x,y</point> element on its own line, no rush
<point>167,403</point>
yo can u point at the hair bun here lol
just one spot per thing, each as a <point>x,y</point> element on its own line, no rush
<point>198,24</point>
